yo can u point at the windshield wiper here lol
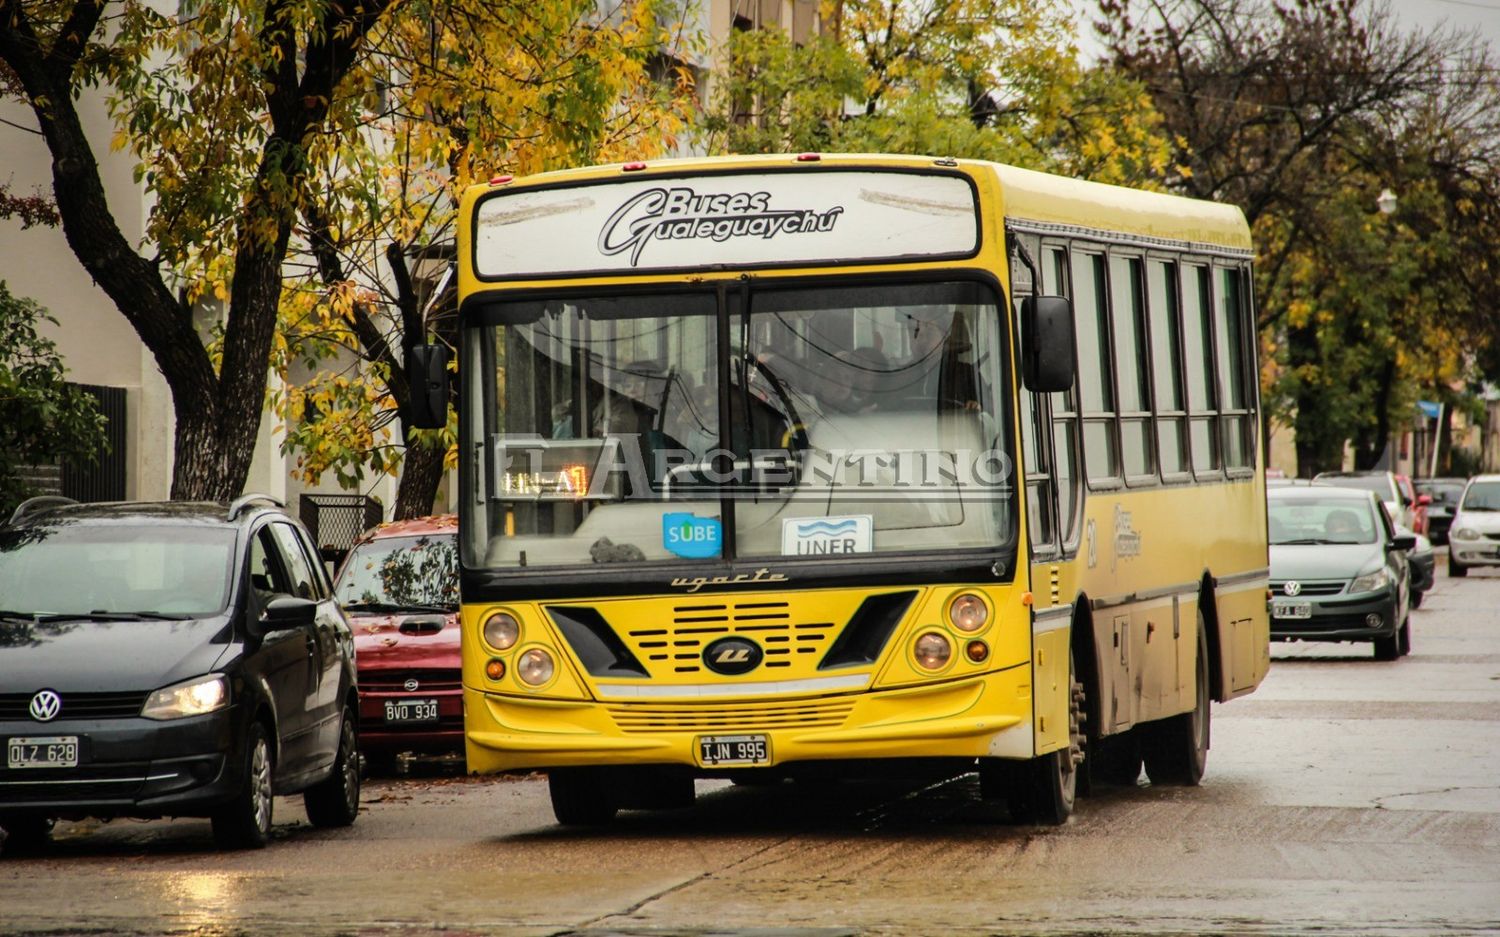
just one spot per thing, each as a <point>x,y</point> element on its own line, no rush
<point>1304,541</point>
<point>396,607</point>
<point>107,616</point>
<point>8,615</point>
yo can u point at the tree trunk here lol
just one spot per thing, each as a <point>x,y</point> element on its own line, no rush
<point>1373,444</point>
<point>421,474</point>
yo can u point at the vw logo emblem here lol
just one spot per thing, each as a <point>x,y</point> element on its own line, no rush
<point>410,685</point>
<point>1292,588</point>
<point>731,656</point>
<point>45,706</point>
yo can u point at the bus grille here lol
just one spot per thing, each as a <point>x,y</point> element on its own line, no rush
<point>695,626</point>
<point>730,717</point>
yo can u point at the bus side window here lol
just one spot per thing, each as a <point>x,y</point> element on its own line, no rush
<point>1064,412</point>
<point>1198,352</point>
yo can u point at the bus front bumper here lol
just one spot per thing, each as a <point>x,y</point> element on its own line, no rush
<point>990,714</point>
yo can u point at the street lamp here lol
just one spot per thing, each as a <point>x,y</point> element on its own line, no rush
<point>1386,202</point>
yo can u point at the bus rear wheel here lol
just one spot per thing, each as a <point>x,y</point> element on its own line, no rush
<point>1176,749</point>
<point>581,796</point>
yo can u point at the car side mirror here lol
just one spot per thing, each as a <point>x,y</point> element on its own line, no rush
<point>1403,542</point>
<point>427,374</point>
<point>1047,331</point>
<point>284,613</point>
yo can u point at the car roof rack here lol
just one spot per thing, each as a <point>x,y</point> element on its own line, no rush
<point>240,504</point>
<point>39,503</point>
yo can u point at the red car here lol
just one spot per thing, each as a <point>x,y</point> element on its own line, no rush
<point>399,589</point>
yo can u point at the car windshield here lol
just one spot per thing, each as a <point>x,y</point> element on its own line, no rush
<point>1320,521</point>
<point>1376,483</point>
<point>828,421</point>
<point>401,572</point>
<point>134,570</point>
<point>1441,492</point>
<point>1482,496</point>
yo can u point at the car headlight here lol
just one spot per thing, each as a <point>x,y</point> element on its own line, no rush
<point>968,612</point>
<point>193,697</point>
<point>535,667</point>
<point>1466,533</point>
<point>1371,582</point>
<point>501,631</point>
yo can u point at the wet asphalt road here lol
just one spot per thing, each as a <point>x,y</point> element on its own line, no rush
<point>1345,797</point>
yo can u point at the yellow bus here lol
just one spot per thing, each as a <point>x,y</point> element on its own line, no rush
<point>791,465</point>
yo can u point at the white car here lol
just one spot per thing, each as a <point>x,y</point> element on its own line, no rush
<point>1383,483</point>
<point>1474,538</point>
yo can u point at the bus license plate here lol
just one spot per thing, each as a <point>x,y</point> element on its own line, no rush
<point>1292,610</point>
<point>716,750</point>
<point>411,710</point>
<point>53,751</point>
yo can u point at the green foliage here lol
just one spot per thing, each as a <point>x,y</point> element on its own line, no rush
<point>43,419</point>
<point>983,79</point>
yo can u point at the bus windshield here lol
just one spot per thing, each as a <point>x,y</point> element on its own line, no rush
<point>743,423</point>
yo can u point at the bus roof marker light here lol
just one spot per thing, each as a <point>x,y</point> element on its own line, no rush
<point>946,162</point>
<point>501,180</point>
<point>633,167</point>
<point>809,157</point>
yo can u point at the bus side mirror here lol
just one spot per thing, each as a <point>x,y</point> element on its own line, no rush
<point>1047,330</point>
<point>427,373</point>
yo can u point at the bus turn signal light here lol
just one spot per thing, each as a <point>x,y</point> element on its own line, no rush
<point>495,669</point>
<point>978,651</point>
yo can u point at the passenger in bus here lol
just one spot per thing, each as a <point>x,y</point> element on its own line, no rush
<point>849,384</point>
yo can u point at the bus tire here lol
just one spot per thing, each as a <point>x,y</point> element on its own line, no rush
<point>1175,750</point>
<point>581,796</point>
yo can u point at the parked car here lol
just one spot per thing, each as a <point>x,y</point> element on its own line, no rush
<point>1339,570</point>
<point>399,587</point>
<point>1474,538</point>
<point>1444,493</point>
<point>1423,563</point>
<point>1397,504</point>
<point>171,659</point>
<point>1416,502</point>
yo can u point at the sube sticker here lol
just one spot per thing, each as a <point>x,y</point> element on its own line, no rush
<point>692,537</point>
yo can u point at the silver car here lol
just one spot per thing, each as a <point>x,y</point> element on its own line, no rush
<point>1339,569</point>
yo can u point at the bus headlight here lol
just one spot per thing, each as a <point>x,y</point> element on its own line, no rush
<point>968,612</point>
<point>535,667</point>
<point>932,651</point>
<point>501,631</point>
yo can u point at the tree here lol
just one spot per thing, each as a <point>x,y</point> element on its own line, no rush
<point>1301,113</point>
<point>465,90</point>
<point>43,418</point>
<point>988,79</point>
<point>226,105</point>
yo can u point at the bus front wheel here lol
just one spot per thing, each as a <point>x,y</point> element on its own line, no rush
<point>581,797</point>
<point>1041,791</point>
